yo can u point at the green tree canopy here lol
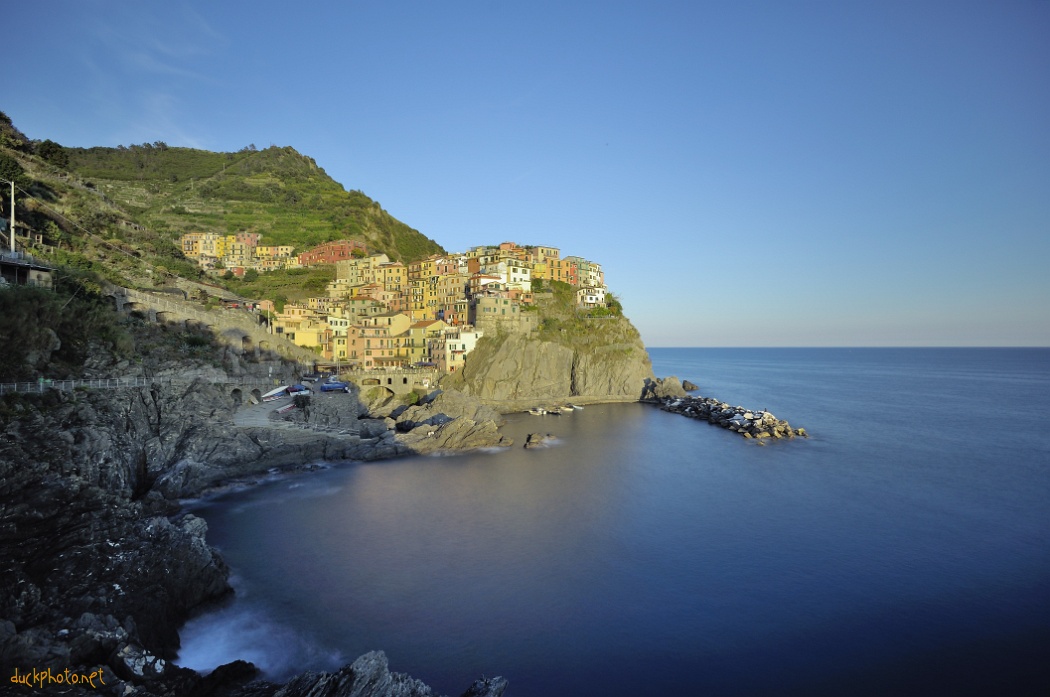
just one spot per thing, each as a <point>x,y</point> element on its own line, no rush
<point>53,153</point>
<point>11,170</point>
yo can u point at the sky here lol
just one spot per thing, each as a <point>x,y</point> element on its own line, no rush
<point>779,173</point>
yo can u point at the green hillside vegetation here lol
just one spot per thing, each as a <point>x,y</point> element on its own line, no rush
<point>277,192</point>
<point>561,321</point>
<point>589,332</point>
<point>105,216</point>
<point>283,285</point>
<point>119,212</point>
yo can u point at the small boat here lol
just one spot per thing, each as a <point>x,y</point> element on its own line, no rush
<point>275,394</point>
<point>286,408</point>
<point>576,406</point>
<point>537,411</point>
<point>566,407</point>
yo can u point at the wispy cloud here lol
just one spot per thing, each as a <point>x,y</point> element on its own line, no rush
<point>159,41</point>
<point>146,66</point>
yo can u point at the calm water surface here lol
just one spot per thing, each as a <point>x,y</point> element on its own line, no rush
<point>904,548</point>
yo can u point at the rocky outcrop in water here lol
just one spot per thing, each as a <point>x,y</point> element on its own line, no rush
<point>748,423</point>
<point>538,440</point>
<point>663,388</point>
<point>368,676</point>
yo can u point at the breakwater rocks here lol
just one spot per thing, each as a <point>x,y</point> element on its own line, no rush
<point>748,423</point>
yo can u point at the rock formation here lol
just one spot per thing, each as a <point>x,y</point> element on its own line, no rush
<point>604,361</point>
<point>538,440</point>
<point>98,567</point>
<point>747,422</point>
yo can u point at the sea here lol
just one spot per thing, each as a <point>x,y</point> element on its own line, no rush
<point>902,549</point>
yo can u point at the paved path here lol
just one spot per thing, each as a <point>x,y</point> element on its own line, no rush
<point>258,416</point>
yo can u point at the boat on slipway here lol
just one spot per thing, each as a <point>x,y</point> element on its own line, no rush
<point>275,394</point>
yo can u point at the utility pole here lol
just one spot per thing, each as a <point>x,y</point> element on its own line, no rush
<point>11,233</point>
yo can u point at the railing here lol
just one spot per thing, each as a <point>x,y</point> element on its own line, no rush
<point>385,370</point>
<point>43,385</point>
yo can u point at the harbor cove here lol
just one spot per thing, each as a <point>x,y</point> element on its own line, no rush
<point>525,350</point>
<point>900,549</point>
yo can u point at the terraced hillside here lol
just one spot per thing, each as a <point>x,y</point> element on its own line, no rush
<point>277,192</point>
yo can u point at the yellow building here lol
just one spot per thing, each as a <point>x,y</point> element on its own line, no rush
<point>540,255</point>
<point>423,269</point>
<point>278,251</point>
<point>392,275</point>
<point>378,341</point>
<point>416,348</point>
<point>358,272</point>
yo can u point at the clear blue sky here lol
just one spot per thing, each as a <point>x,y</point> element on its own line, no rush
<point>748,173</point>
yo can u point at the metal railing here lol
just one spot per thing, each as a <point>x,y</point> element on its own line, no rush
<point>43,385</point>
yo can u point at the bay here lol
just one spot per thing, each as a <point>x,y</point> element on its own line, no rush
<point>904,547</point>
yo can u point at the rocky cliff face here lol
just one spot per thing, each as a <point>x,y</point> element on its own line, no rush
<point>98,567</point>
<point>602,360</point>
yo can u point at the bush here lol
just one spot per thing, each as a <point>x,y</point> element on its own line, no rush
<point>53,332</point>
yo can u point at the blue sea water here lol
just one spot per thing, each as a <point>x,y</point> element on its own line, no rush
<point>903,549</point>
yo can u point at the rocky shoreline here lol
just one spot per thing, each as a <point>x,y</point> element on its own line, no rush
<point>100,566</point>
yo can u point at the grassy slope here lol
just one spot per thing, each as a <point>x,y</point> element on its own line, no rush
<point>108,214</point>
<point>120,211</point>
<point>276,192</point>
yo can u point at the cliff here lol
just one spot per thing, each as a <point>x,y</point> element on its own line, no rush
<point>98,565</point>
<point>567,359</point>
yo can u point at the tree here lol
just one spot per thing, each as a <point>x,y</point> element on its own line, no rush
<point>11,170</point>
<point>251,275</point>
<point>54,153</point>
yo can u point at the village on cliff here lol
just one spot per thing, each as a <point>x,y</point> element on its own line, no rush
<point>379,313</point>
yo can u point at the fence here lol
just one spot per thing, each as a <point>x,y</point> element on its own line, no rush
<point>42,385</point>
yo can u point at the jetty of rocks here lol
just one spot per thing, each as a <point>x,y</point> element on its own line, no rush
<point>747,422</point>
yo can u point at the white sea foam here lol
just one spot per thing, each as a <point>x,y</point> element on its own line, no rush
<point>249,634</point>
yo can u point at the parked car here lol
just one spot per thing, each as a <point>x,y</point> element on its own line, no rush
<point>335,386</point>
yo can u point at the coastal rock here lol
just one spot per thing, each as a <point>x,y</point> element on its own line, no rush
<point>98,568</point>
<point>486,687</point>
<point>450,404</point>
<point>538,440</point>
<point>134,662</point>
<point>749,423</point>
<point>663,388</point>
<point>513,372</point>
<point>457,434</point>
<point>370,676</point>
<point>688,386</point>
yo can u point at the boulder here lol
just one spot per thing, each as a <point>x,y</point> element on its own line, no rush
<point>370,676</point>
<point>538,440</point>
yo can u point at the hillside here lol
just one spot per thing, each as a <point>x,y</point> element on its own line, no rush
<point>277,192</point>
<point>114,215</point>
<point>120,211</point>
